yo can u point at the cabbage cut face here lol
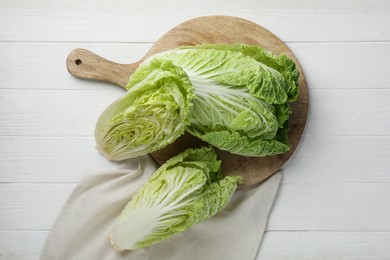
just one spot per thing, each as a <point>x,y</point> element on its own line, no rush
<point>184,191</point>
<point>151,115</point>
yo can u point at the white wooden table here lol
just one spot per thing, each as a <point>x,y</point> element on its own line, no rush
<point>334,201</point>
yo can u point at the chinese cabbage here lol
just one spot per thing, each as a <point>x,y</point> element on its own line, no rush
<point>151,115</point>
<point>184,191</point>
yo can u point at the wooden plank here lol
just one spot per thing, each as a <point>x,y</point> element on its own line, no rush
<point>348,113</point>
<point>331,159</point>
<point>324,159</point>
<point>320,61</point>
<point>343,65</point>
<point>74,113</point>
<point>46,159</point>
<point>53,113</point>
<point>332,207</point>
<point>325,245</point>
<point>140,21</point>
<point>21,244</point>
<point>301,6</point>
<point>49,65</point>
<point>31,206</point>
<point>27,244</point>
<point>303,206</point>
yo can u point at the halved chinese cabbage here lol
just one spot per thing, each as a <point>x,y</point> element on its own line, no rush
<point>184,191</point>
<point>151,115</point>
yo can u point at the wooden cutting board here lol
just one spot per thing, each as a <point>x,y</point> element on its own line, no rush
<point>208,29</point>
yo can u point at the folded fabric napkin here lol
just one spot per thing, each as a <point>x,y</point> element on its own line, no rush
<point>82,228</point>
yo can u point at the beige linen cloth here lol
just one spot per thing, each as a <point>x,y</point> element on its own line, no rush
<point>82,228</point>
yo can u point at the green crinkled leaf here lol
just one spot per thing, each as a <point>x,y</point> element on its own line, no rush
<point>238,144</point>
<point>240,90</point>
<point>221,109</point>
<point>231,69</point>
<point>282,113</point>
<point>213,199</point>
<point>281,63</point>
<point>282,134</point>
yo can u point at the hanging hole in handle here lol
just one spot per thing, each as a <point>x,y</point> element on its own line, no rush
<point>78,62</point>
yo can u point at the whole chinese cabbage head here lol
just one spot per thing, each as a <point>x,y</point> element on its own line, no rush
<point>241,96</point>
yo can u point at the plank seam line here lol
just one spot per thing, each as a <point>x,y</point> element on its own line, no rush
<point>152,42</point>
<point>327,231</point>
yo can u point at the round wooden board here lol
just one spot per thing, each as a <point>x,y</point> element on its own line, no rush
<point>227,29</point>
<point>207,29</point>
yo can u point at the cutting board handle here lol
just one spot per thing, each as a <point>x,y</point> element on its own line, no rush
<point>85,64</point>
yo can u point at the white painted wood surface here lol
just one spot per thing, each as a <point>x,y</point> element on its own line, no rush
<point>334,202</point>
